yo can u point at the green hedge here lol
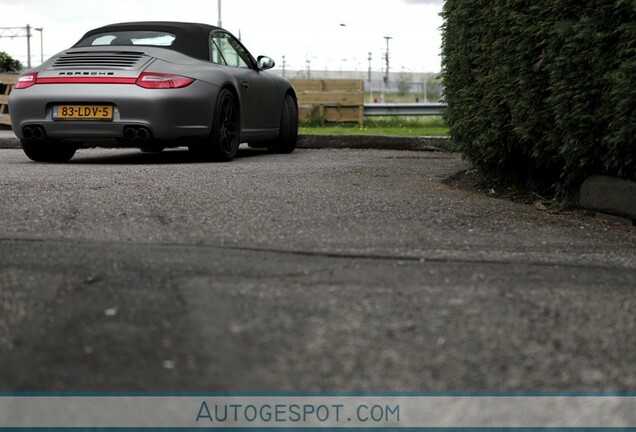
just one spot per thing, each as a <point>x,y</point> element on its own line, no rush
<point>542,91</point>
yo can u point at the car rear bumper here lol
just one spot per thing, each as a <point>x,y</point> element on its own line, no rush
<point>168,114</point>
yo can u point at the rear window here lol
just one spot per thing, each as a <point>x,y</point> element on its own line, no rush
<point>147,38</point>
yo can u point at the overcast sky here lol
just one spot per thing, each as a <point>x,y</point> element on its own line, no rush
<point>330,34</point>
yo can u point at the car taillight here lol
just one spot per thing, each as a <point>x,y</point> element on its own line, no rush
<point>155,80</point>
<point>26,80</point>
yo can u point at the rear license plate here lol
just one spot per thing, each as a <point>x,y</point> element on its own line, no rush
<point>83,112</point>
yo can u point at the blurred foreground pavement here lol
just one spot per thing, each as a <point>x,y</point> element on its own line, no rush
<point>319,270</point>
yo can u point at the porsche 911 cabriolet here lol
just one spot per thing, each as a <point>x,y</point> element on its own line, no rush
<point>152,85</point>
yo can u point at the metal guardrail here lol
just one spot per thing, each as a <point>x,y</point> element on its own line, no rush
<point>403,109</point>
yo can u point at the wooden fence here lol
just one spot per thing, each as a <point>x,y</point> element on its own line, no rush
<point>7,81</point>
<point>331,100</point>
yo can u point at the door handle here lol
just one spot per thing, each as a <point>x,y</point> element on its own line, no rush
<point>245,85</point>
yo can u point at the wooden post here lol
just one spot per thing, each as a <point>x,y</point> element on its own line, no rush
<point>7,81</point>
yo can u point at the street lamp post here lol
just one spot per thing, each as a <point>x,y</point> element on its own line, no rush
<point>28,36</point>
<point>41,30</point>
<point>386,78</point>
<point>369,78</point>
<point>218,2</point>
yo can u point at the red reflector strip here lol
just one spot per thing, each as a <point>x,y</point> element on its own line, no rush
<point>86,80</point>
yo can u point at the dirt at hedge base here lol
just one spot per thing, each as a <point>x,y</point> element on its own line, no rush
<point>472,180</point>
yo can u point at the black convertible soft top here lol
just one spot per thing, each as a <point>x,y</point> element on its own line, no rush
<point>192,39</point>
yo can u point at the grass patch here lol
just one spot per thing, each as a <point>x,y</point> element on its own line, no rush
<point>404,126</point>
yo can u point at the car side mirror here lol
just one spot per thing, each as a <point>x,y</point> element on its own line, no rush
<point>265,63</point>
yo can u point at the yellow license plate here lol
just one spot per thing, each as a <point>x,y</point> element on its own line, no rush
<point>83,112</point>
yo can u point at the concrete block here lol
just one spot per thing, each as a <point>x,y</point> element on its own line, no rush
<point>609,195</point>
<point>381,142</point>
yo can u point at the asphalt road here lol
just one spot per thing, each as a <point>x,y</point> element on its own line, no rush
<point>320,270</point>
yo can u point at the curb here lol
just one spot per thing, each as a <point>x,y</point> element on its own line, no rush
<point>376,142</point>
<point>609,195</point>
<point>372,142</point>
<point>7,139</point>
<point>9,143</point>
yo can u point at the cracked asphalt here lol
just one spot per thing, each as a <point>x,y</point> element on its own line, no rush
<point>327,269</point>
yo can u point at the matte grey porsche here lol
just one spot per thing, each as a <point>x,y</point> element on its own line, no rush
<point>153,85</point>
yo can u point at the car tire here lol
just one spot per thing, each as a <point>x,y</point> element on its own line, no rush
<point>224,139</point>
<point>288,132</point>
<point>47,150</point>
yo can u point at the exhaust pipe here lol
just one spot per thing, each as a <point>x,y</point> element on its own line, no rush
<point>27,131</point>
<point>143,134</point>
<point>34,132</point>
<point>130,133</point>
<point>134,133</point>
<point>38,133</point>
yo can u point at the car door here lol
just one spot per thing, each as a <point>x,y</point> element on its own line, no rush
<point>259,105</point>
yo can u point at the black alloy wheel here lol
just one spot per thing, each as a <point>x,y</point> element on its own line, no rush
<point>288,132</point>
<point>224,139</point>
